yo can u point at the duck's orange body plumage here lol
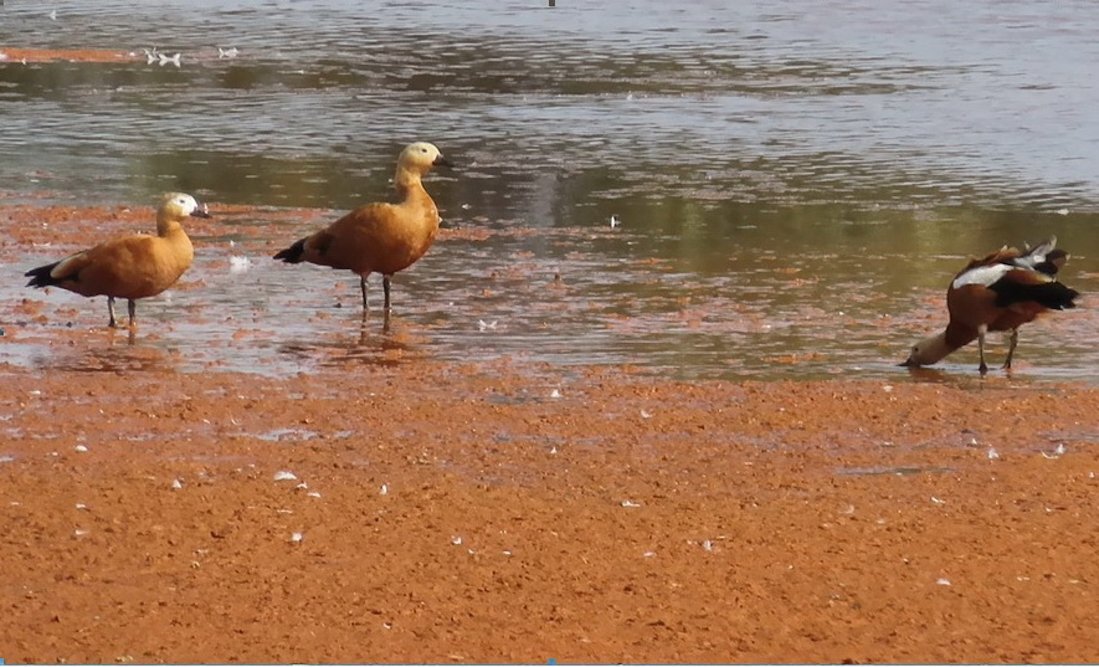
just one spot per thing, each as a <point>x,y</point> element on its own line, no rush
<point>380,238</point>
<point>130,267</point>
<point>999,292</point>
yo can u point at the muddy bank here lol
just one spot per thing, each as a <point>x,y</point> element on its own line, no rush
<point>453,513</point>
<point>37,55</point>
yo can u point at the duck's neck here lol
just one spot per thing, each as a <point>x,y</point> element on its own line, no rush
<point>167,227</point>
<point>958,335</point>
<point>935,348</point>
<point>931,350</point>
<point>407,183</point>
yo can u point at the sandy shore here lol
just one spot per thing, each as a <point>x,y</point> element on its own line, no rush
<point>36,55</point>
<point>468,514</point>
<point>499,513</point>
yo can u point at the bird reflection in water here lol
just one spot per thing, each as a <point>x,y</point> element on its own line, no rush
<point>120,352</point>
<point>392,345</point>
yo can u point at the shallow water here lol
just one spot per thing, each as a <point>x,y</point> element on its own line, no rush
<point>797,183</point>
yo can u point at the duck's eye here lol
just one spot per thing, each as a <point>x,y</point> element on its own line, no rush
<point>423,150</point>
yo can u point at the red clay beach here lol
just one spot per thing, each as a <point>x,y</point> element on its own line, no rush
<point>30,55</point>
<point>389,506</point>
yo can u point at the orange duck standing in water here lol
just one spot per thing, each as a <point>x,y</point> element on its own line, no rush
<point>380,238</point>
<point>131,267</point>
<point>1000,292</point>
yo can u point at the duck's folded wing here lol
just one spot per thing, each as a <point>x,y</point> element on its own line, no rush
<point>1026,285</point>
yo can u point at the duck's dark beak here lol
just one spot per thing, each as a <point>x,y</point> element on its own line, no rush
<point>908,363</point>
<point>441,161</point>
<point>201,211</point>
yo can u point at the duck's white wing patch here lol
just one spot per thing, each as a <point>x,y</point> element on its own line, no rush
<point>983,275</point>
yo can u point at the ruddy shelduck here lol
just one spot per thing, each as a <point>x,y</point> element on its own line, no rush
<point>131,267</point>
<point>1000,292</point>
<point>380,238</point>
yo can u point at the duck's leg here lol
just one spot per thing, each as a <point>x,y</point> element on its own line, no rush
<point>1012,342</point>
<point>362,329</point>
<point>981,330</point>
<point>110,309</point>
<point>385,287</point>
<point>131,308</point>
<point>362,284</point>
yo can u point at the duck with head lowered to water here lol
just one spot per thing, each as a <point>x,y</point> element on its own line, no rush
<point>999,292</point>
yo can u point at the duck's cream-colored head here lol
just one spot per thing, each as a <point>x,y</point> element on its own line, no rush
<point>176,206</point>
<point>928,351</point>
<point>421,157</point>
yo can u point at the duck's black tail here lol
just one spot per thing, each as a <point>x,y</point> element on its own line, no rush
<point>41,277</point>
<point>293,254</point>
<point>1053,294</point>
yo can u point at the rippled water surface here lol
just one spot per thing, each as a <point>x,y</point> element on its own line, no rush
<point>797,180</point>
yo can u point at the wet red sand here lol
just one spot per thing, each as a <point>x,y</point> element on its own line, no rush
<point>530,513</point>
<point>34,55</point>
